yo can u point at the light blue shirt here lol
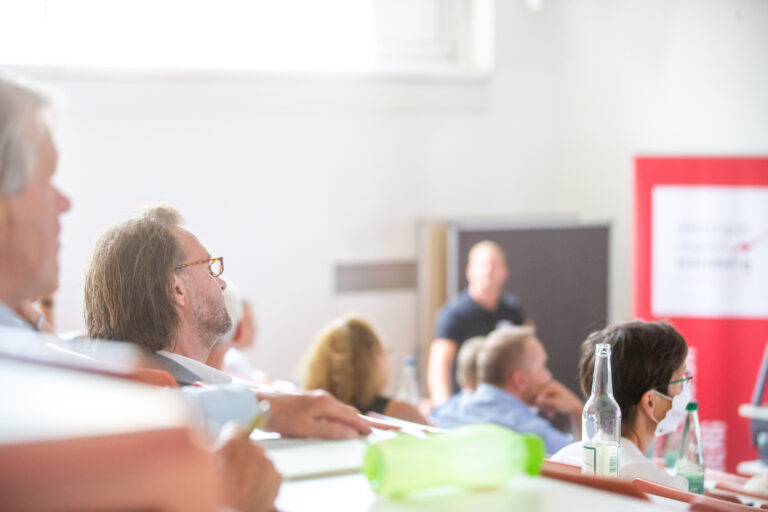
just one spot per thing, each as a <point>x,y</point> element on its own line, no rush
<point>491,404</point>
<point>222,403</point>
<point>451,407</point>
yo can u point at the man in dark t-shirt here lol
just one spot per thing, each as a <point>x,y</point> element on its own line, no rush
<point>476,311</point>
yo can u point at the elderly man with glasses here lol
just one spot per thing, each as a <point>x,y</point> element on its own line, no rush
<point>151,282</point>
<point>30,208</point>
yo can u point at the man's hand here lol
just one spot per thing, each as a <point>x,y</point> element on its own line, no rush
<point>557,398</point>
<point>247,480</point>
<point>32,314</point>
<point>313,414</point>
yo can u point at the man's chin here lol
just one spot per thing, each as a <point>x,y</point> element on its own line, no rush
<point>47,282</point>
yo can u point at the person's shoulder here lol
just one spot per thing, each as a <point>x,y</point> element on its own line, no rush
<point>570,454</point>
<point>454,404</point>
<point>452,317</point>
<point>511,301</point>
<point>504,403</point>
<point>650,471</point>
<point>511,308</point>
<point>457,303</point>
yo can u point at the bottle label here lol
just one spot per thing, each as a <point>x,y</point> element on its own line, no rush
<point>695,482</point>
<point>601,458</point>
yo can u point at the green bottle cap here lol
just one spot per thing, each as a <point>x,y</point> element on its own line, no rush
<point>536,452</point>
<point>692,406</point>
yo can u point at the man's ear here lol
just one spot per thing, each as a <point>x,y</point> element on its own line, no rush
<point>518,379</point>
<point>180,296</point>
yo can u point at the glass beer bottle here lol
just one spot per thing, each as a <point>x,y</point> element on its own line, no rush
<point>601,421</point>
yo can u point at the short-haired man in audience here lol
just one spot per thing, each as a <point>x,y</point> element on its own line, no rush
<point>513,375</point>
<point>476,311</point>
<point>151,282</point>
<point>30,207</point>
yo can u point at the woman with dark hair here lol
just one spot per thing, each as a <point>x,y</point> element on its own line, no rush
<point>651,386</point>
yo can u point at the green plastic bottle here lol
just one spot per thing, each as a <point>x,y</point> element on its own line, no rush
<point>690,461</point>
<point>473,457</point>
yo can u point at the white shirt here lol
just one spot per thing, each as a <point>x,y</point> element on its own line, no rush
<point>632,464</point>
<point>207,374</point>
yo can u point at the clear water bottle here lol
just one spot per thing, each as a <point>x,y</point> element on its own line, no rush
<point>690,461</point>
<point>408,388</point>
<point>601,421</point>
<point>477,456</point>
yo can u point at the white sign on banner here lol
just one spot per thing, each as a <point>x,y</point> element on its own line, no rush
<point>709,251</point>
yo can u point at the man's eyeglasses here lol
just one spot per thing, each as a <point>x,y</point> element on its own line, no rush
<point>215,265</point>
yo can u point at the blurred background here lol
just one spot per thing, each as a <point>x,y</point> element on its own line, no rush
<point>299,137</point>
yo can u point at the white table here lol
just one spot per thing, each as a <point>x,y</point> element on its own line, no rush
<point>352,493</point>
<point>752,468</point>
<point>755,412</point>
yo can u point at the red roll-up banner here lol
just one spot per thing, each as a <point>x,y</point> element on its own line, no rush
<point>701,261</point>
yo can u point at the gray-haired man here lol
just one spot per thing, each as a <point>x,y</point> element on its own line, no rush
<point>30,204</point>
<point>30,207</point>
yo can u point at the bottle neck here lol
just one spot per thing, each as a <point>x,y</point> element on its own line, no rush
<point>601,381</point>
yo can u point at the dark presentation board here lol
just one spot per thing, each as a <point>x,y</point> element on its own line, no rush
<point>560,273</point>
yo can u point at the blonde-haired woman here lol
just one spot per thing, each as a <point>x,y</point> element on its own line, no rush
<point>348,360</point>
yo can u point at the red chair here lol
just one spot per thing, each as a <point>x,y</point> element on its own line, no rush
<point>697,501</point>
<point>154,377</point>
<point>572,474</point>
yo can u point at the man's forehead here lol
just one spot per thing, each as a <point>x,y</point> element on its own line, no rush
<point>189,243</point>
<point>535,346</point>
<point>486,253</point>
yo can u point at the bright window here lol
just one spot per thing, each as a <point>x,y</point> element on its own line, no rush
<point>250,35</point>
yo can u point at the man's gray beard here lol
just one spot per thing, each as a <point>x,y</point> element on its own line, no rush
<point>211,332</point>
<point>210,324</point>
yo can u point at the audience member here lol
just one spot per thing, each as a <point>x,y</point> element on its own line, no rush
<point>247,330</point>
<point>152,283</point>
<point>466,363</point>
<point>513,376</point>
<point>233,304</point>
<point>476,311</point>
<point>31,203</point>
<point>30,207</point>
<point>651,387</point>
<point>466,374</point>
<point>227,354</point>
<point>348,360</point>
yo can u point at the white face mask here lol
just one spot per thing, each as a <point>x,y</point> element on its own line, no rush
<point>671,420</point>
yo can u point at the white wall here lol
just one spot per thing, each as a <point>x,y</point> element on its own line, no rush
<point>285,177</point>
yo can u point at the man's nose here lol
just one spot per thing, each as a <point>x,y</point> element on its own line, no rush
<point>63,201</point>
